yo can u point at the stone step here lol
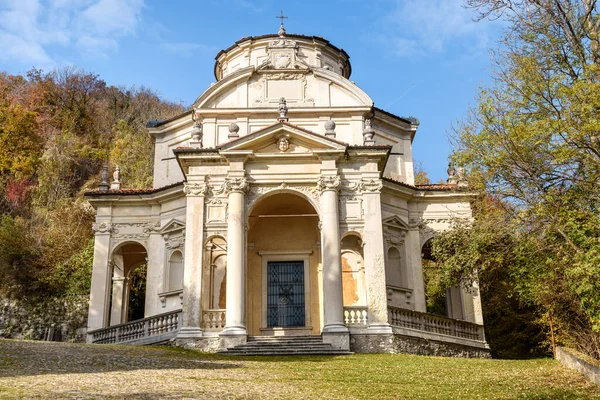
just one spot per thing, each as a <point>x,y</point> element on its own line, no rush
<point>280,338</point>
<point>284,345</point>
<point>283,342</point>
<point>300,347</point>
<point>283,352</point>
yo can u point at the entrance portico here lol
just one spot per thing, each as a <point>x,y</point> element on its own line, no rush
<point>292,228</point>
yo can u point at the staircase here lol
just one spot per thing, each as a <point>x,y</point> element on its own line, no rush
<point>284,345</point>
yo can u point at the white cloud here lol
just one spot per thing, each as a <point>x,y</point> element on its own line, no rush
<point>422,27</point>
<point>31,29</point>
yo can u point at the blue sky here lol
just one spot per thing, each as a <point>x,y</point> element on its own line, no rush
<point>422,58</point>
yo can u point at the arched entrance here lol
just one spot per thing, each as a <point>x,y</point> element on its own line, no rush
<point>128,297</point>
<point>283,263</point>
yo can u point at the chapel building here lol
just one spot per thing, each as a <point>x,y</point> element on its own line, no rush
<point>283,205</point>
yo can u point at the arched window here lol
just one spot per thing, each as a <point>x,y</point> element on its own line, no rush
<point>176,271</point>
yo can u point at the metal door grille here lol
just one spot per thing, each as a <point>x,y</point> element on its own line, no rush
<point>285,294</point>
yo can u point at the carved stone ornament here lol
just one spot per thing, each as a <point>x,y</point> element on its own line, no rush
<point>282,109</point>
<point>103,186</point>
<point>152,227</point>
<point>283,75</point>
<point>233,131</point>
<point>283,144</point>
<point>394,236</point>
<point>282,61</point>
<point>368,133</point>
<point>332,182</point>
<point>197,134</point>
<point>174,242</point>
<point>102,227</point>
<point>194,189</point>
<point>371,185</point>
<point>451,174</point>
<point>236,185</point>
<point>134,230</point>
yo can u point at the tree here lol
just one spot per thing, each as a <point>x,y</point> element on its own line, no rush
<point>421,177</point>
<point>57,129</point>
<point>533,143</point>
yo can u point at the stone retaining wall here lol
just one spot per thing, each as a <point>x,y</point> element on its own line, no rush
<point>53,319</point>
<point>569,360</point>
<point>395,343</point>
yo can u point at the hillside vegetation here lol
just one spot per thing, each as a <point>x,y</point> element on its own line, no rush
<point>57,129</point>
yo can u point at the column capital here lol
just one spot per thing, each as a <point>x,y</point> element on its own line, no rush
<point>195,188</point>
<point>329,182</point>
<point>370,185</point>
<point>236,184</point>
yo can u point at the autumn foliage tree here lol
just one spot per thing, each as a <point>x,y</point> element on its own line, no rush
<point>533,143</point>
<point>57,129</point>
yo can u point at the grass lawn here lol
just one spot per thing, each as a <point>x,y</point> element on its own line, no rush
<point>59,370</point>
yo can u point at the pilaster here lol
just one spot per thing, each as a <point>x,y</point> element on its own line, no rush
<point>98,308</point>
<point>194,237</point>
<point>374,256</point>
<point>333,306</point>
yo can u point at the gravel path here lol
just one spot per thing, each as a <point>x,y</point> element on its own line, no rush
<point>35,370</point>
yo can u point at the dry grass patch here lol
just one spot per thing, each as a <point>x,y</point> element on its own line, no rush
<point>60,370</point>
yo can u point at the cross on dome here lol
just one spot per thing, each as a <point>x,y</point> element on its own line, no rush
<point>281,28</point>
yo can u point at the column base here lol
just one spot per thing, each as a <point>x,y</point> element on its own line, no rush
<point>189,333</point>
<point>337,339</point>
<point>234,331</point>
<point>382,328</point>
<point>335,328</point>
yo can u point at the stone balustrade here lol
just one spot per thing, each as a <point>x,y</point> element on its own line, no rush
<point>355,316</point>
<point>403,318</point>
<point>213,320</point>
<point>143,331</point>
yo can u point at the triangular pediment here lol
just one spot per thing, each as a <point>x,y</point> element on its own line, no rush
<point>395,222</point>
<point>173,225</point>
<point>284,138</point>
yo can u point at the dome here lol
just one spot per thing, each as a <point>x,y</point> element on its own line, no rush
<point>305,52</point>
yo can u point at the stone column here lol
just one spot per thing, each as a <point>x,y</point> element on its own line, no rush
<point>334,329</point>
<point>116,312</point>
<point>235,310</point>
<point>377,312</point>
<point>191,323</point>
<point>98,308</point>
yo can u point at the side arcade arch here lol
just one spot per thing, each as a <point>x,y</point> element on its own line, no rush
<point>128,262</point>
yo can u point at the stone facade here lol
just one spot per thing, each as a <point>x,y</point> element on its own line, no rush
<point>283,167</point>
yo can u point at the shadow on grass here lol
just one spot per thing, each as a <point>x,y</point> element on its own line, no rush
<point>26,358</point>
